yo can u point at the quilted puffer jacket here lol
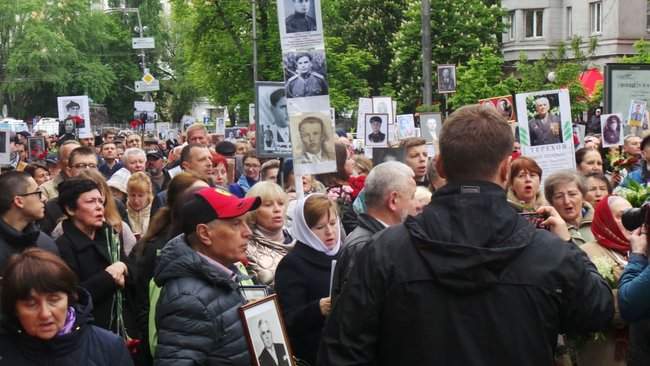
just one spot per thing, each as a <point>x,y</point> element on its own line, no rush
<point>197,314</point>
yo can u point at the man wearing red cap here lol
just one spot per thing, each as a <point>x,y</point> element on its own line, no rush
<point>200,283</point>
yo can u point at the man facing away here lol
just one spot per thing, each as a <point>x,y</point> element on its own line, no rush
<point>468,281</point>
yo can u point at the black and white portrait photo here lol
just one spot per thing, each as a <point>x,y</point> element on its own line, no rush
<point>446,79</point>
<point>376,130</point>
<point>406,125</point>
<point>272,126</point>
<point>313,143</point>
<point>220,128</point>
<point>305,74</point>
<point>5,149</point>
<point>430,127</point>
<point>265,333</point>
<point>75,108</point>
<point>612,129</point>
<point>302,17</point>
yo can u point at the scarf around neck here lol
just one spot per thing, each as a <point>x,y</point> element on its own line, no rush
<point>301,232</point>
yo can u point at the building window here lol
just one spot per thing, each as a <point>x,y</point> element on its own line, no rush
<point>534,23</point>
<point>596,17</point>
<point>511,26</point>
<point>569,22</point>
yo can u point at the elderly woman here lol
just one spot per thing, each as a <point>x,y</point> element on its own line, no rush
<point>588,160</point>
<point>270,241</point>
<point>91,247</point>
<point>139,202</point>
<point>565,191</point>
<point>47,318</point>
<point>598,187</point>
<point>302,279</point>
<point>610,251</point>
<point>523,189</point>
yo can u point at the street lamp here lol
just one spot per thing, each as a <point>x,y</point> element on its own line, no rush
<point>140,29</point>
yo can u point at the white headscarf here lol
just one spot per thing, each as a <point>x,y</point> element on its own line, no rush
<point>301,232</point>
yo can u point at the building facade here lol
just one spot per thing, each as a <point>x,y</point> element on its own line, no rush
<point>538,26</point>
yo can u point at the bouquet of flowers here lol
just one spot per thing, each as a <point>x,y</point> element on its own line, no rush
<point>620,164</point>
<point>636,193</point>
<point>341,194</point>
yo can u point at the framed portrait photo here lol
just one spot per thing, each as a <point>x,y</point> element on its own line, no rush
<point>75,108</point>
<point>305,73</point>
<point>611,126</point>
<point>446,79</point>
<point>503,104</point>
<point>5,147</point>
<point>254,292</point>
<point>265,332</point>
<point>376,130</point>
<point>430,127</point>
<point>300,23</point>
<point>272,136</point>
<point>37,150</point>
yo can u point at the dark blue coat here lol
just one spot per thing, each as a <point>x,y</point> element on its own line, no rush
<point>197,315</point>
<point>85,345</point>
<point>14,242</point>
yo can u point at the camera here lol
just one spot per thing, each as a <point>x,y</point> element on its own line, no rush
<point>535,219</point>
<point>633,218</point>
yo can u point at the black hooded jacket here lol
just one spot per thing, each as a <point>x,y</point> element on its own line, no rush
<point>13,241</point>
<point>86,344</point>
<point>468,282</point>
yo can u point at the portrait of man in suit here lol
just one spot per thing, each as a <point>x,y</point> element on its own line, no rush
<point>376,135</point>
<point>280,124</point>
<point>314,137</point>
<point>544,127</point>
<point>300,20</point>
<point>273,354</point>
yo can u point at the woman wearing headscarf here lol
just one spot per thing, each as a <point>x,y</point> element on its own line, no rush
<point>302,279</point>
<point>609,254</point>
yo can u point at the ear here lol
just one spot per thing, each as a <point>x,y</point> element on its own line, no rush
<point>439,167</point>
<point>504,171</point>
<point>392,200</point>
<point>69,211</point>
<point>203,234</point>
<point>18,201</point>
<point>184,165</point>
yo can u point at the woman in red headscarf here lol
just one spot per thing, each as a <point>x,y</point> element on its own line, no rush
<point>609,255</point>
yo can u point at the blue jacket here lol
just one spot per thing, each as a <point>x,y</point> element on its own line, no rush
<point>634,289</point>
<point>85,345</point>
<point>197,315</point>
<point>636,176</point>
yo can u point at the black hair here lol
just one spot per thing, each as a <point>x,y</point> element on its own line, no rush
<point>187,151</point>
<point>276,96</point>
<point>12,184</point>
<point>71,189</point>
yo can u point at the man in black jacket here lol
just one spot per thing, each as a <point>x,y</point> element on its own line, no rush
<point>467,282</point>
<point>389,196</point>
<point>200,300</point>
<point>21,204</point>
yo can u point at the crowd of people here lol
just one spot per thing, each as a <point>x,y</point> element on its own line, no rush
<point>126,250</point>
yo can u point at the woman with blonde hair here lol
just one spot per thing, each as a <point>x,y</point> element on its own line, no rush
<point>270,240</point>
<point>139,202</point>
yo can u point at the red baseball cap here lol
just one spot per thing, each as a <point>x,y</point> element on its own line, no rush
<point>208,204</point>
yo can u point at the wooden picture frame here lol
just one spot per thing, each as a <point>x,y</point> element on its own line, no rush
<point>263,327</point>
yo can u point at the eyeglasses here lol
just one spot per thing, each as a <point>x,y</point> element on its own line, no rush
<point>85,166</point>
<point>39,193</point>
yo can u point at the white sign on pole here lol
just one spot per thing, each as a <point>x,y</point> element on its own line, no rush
<point>142,87</point>
<point>141,43</point>
<point>144,106</point>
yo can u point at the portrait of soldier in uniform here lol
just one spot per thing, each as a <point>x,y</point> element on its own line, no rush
<point>300,20</point>
<point>305,82</point>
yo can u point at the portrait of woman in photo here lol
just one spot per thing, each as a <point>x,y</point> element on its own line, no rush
<point>612,130</point>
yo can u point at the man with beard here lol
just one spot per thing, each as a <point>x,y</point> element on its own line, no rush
<point>389,197</point>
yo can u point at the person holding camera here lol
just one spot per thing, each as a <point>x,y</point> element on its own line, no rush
<point>634,286</point>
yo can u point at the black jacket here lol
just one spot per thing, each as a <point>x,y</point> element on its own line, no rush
<point>354,244</point>
<point>89,259</point>
<point>301,280</point>
<point>85,345</point>
<point>468,282</point>
<point>266,359</point>
<point>197,315</point>
<point>13,241</point>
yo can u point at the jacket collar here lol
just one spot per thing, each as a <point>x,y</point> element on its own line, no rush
<point>17,238</point>
<point>80,241</point>
<point>313,256</point>
<point>370,223</point>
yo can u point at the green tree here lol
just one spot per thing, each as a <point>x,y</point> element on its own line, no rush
<point>459,30</point>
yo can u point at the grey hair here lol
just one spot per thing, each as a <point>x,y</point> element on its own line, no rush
<point>545,99</point>
<point>133,151</point>
<point>385,178</point>
<point>563,177</point>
